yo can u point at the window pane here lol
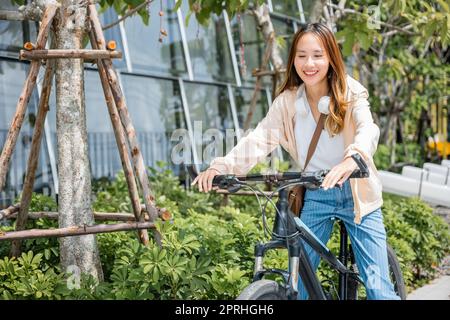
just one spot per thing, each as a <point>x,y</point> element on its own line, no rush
<point>243,98</point>
<point>210,110</point>
<point>113,33</point>
<point>284,29</point>
<point>103,153</point>
<point>286,7</point>
<point>307,8</point>
<point>11,32</point>
<point>12,78</point>
<point>147,53</point>
<point>249,45</point>
<point>156,111</point>
<point>208,49</point>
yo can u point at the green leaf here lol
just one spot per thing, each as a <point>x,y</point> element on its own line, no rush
<point>364,40</point>
<point>156,274</point>
<point>145,16</point>
<point>347,46</point>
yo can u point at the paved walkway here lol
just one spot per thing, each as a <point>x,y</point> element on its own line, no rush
<point>438,289</point>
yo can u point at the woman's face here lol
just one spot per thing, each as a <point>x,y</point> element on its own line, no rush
<point>311,60</point>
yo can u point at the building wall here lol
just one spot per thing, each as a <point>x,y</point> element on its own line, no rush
<point>198,78</point>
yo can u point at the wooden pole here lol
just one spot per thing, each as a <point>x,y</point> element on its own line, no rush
<point>138,161</point>
<point>12,213</point>
<point>34,156</point>
<point>5,213</point>
<point>69,53</point>
<point>121,145</point>
<point>98,216</point>
<point>28,87</point>
<point>74,231</point>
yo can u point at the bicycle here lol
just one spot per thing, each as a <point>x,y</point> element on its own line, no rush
<point>288,229</point>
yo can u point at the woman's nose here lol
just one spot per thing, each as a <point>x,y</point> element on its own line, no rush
<point>309,61</point>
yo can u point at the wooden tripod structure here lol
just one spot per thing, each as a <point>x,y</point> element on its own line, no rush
<point>125,134</point>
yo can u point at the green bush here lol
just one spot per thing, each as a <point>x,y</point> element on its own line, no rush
<point>420,238</point>
<point>405,153</point>
<point>208,249</point>
<point>27,277</point>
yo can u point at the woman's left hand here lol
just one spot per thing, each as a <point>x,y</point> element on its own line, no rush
<point>339,174</point>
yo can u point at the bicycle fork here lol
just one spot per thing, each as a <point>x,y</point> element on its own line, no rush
<point>299,263</point>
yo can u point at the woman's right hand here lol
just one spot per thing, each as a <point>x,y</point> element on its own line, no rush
<point>204,180</point>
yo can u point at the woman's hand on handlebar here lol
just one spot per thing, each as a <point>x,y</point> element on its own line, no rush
<point>205,179</point>
<point>339,174</point>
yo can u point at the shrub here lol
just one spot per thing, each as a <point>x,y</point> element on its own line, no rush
<point>207,251</point>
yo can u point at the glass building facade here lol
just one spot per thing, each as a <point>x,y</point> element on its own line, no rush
<point>196,79</point>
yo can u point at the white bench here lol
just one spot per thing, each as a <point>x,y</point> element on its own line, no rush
<point>407,186</point>
<point>437,168</point>
<point>425,175</point>
<point>445,163</point>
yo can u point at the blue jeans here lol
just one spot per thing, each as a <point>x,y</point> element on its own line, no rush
<point>368,239</point>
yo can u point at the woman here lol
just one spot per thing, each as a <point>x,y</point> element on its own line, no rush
<point>316,83</point>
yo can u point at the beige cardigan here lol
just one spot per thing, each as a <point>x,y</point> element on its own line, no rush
<point>361,136</point>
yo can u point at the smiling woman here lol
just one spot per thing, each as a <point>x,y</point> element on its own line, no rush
<point>316,76</point>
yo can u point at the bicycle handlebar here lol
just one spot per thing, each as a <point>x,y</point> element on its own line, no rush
<point>309,179</point>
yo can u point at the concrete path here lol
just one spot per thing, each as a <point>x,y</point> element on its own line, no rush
<point>438,289</point>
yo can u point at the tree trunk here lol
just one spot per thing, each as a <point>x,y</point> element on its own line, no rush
<point>74,171</point>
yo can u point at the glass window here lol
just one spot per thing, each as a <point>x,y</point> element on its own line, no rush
<point>12,78</point>
<point>286,7</point>
<point>284,29</point>
<point>103,153</point>
<point>243,98</point>
<point>249,45</point>
<point>156,111</point>
<point>146,52</point>
<point>210,114</point>
<point>209,49</point>
<point>307,8</point>
<point>11,32</point>
<point>113,33</point>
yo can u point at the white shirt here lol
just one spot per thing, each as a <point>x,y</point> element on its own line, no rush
<point>329,151</point>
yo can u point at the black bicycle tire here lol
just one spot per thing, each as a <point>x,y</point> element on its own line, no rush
<point>263,290</point>
<point>396,273</point>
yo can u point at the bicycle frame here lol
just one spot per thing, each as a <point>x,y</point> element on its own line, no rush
<point>299,264</point>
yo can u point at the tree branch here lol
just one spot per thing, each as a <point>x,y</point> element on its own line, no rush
<point>351,11</point>
<point>74,231</point>
<point>128,14</point>
<point>32,11</point>
<point>17,16</point>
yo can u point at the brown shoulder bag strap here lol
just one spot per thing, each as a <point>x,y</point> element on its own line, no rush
<point>315,138</point>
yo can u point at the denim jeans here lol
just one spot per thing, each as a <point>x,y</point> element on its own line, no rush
<point>368,239</point>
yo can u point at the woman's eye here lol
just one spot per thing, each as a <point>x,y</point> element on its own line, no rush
<point>301,56</point>
<point>318,56</point>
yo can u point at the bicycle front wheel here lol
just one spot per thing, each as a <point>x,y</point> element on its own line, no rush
<point>263,290</point>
